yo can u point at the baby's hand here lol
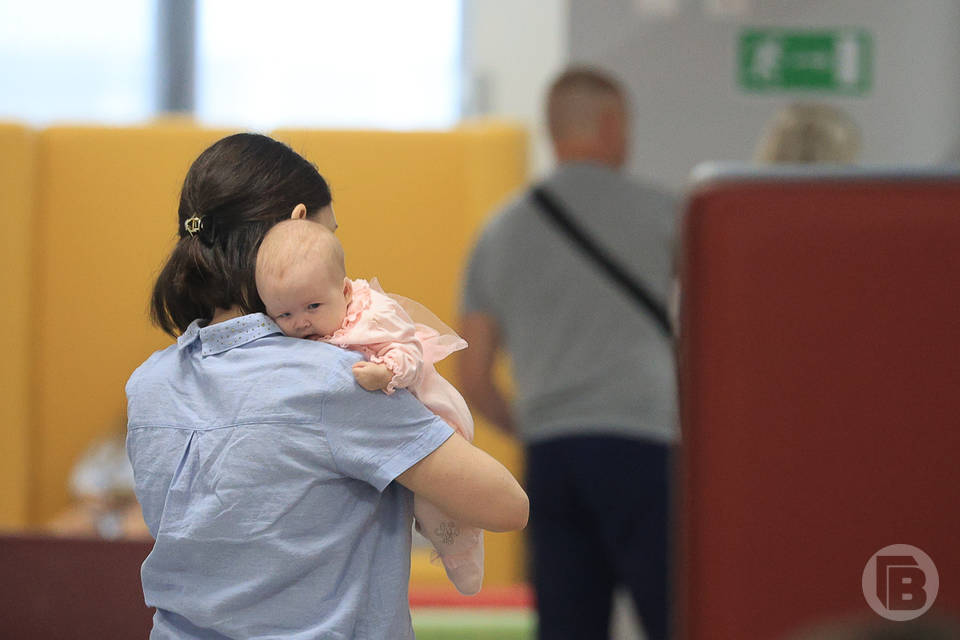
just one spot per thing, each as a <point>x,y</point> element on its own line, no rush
<point>372,377</point>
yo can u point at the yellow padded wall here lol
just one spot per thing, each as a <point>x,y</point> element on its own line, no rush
<point>106,219</point>
<point>497,160</point>
<point>17,183</point>
<point>409,205</point>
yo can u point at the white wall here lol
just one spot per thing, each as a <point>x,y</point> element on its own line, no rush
<point>512,48</point>
<point>681,71</point>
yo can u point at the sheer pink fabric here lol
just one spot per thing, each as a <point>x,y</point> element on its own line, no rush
<point>406,337</point>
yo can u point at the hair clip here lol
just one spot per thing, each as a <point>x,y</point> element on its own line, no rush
<point>193,225</point>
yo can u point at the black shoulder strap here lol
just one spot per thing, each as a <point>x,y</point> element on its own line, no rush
<point>556,213</point>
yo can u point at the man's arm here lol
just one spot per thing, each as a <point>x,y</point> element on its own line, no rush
<point>475,369</point>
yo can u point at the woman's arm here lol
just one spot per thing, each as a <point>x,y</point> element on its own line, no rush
<point>469,485</point>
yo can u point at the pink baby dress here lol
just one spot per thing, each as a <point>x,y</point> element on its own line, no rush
<point>407,338</point>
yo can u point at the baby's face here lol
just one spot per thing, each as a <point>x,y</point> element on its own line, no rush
<point>308,302</point>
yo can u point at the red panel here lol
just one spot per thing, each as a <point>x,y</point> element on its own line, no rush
<point>56,588</point>
<point>820,397</point>
<point>518,596</point>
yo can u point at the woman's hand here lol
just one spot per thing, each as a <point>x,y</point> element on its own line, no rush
<point>470,486</point>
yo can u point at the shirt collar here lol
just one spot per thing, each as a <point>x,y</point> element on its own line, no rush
<point>224,336</point>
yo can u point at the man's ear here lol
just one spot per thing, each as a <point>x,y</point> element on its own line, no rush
<point>299,212</point>
<point>347,289</point>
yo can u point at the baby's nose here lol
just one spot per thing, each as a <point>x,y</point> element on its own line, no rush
<point>303,323</point>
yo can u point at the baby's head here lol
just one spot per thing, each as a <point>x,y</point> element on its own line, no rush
<point>302,280</point>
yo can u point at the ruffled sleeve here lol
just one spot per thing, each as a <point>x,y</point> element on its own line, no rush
<point>406,363</point>
<point>378,326</point>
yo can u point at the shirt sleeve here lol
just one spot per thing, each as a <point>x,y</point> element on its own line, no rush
<point>397,345</point>
<point>375,437</point>
<point>386,335</point>
<point>404,359</point>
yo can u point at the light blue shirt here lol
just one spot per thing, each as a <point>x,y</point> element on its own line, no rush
<point>265,475</point>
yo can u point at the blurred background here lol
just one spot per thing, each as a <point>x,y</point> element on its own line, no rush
<point>424,115</point>
<point>431,63</point>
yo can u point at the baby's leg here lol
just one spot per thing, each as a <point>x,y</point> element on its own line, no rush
<point>443,399</point>
<point>460,548</point>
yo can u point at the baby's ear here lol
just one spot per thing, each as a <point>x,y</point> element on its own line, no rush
<point>347,289</point>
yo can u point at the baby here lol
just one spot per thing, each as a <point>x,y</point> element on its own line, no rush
<point>302,281</point>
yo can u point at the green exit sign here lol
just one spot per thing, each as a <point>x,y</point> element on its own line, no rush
<point>824,60</point>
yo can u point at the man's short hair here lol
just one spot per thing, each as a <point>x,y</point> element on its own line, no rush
<point>576,99</point>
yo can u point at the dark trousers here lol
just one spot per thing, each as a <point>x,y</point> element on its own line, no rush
<point>598,519</point>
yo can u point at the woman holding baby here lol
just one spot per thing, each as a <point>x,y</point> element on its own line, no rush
<point>278,490</point>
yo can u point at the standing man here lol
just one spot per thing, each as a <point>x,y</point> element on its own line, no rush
<point>594,374</point>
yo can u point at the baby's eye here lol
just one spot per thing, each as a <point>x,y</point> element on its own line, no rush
<point>282,316</point>
<point>314,305</point>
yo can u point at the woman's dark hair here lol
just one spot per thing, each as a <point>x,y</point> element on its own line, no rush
<point>239,187</point>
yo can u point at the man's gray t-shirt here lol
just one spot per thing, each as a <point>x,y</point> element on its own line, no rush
<point>585,358</point>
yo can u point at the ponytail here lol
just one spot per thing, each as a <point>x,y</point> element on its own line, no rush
<point>188,287</point>
<point>233,193</point>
